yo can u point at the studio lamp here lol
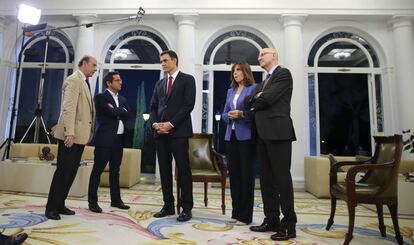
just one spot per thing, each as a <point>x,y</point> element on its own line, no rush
<point>28,14</point>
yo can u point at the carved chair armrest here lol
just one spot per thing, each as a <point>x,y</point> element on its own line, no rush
<point>351,174</point>
<point>333,172</point>
<point>220,161</point>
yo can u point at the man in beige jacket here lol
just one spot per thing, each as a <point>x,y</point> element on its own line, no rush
<point>73,131</point>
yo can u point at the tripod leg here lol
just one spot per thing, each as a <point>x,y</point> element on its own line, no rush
<point>7,143</point>
<point>28,129</point>
<point>44,128</point>
<point>4,143</point>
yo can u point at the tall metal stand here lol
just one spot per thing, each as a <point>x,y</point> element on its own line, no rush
<point>38,118</point>
<point>7,143</point>
<point>218,135</point>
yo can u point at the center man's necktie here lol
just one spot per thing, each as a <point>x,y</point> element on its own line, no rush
<point>169,86</point>
<point>266,80</point>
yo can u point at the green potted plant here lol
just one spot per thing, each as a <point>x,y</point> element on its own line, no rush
<point>409,142</point>
<point>408,146</point>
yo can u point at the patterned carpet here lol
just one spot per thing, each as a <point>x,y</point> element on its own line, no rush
<point>21,212</point>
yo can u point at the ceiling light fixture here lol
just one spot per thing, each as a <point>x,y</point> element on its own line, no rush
<point>342,55</point>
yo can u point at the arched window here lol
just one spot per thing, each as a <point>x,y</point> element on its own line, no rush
<point>228,48</point>
<point>345,95</point>
<point>136,56</point>
<point>41,82</point>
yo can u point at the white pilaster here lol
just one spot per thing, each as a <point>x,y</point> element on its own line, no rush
<point>2,24</point>
<point>85,38</point>
<point>403,40</point>
<point>186,56</point>
<point>85,42</point>
<point>294,60</point>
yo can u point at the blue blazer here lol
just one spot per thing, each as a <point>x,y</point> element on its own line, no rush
<point>243,126</point>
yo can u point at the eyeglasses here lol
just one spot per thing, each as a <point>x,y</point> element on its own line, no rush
<point>264,53</point>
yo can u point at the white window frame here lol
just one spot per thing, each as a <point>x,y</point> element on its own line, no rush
<point>222,67</point>
<point>113,66</point>
<point>371,71</point>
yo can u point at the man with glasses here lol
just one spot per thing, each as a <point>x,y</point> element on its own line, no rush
<point>271,104</point>
<point>112,111</point>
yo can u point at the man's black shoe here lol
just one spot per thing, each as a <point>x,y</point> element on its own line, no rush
<point>119,205</point>
<point>184,216</point>
<point>283,235</point>
<point>13,240</point>
<point>52,215</point>
<point>164,212</point>
<point>95,208</point>
<point>66,211</point>
<point>264,227</point>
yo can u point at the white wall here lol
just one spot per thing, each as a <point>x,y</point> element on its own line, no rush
<point>217,6</point>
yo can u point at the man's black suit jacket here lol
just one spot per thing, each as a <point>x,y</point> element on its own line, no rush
<point>177,107</point>
<point>107,118</point>
<point>272,107</point>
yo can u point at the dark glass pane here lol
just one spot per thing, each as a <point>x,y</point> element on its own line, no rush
<point>312,114</point>
<point>28,98</point>
<point>347,35</point>
<point>137,52</point>
<point>29,87</point>
<point>204,109</point>
<point>36,53</point>
<point>147,57</point>
<point>55,51</point>
<point>258,77</point>
<point>52,91</point>
<point>342,54</point>
<point>221,85</point>
<point>204,117</point>
<point>236,51</point>
<point>69,46</point>
<point>344,114</point>
<point>378,103</point>
<point>231,34</point>
<point>131,81</point>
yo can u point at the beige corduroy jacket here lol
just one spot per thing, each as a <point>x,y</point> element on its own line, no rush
<point>76,111</point>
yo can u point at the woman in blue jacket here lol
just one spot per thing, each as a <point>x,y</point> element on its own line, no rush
<point>240,147</point>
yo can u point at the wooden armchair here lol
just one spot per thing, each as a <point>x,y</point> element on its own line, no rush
<point>378,186</point>
<point>206,166</point>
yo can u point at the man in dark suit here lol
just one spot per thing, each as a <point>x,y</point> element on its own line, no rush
<point>73,131</point>
<point>171,105</point>
<point>271,104</point>
<point>112,111</point>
